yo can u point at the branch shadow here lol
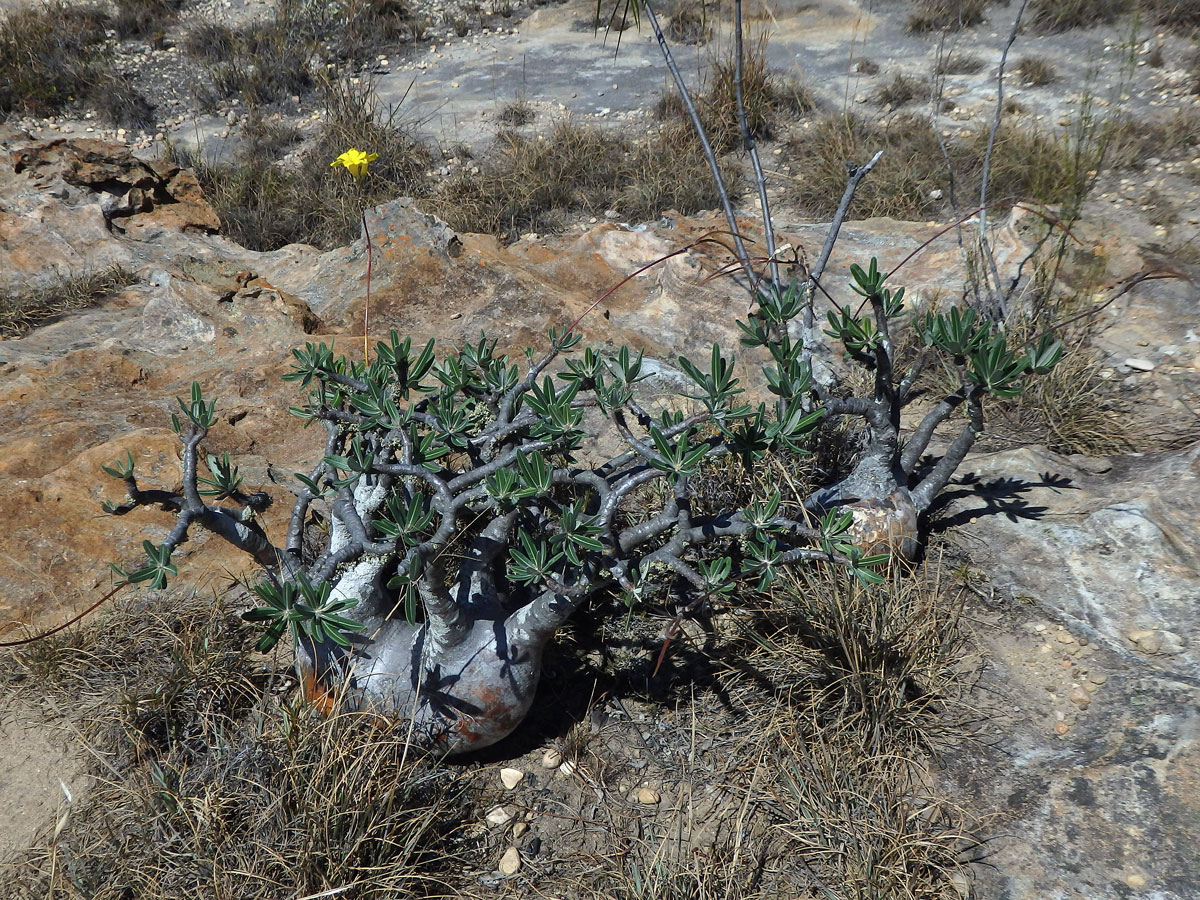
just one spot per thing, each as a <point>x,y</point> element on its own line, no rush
<point>999,496</point>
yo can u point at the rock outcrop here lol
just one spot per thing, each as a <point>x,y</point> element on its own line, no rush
<point>1095,657</point>
<point>82,391</point>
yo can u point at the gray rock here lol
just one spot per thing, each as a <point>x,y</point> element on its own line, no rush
<point>1104,805</point>
<point>1106,554</point>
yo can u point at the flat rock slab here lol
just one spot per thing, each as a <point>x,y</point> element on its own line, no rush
<point>1107,553</point>
<point>1091,758</point>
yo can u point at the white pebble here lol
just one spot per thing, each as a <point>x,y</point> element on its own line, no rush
<point>498,815</point>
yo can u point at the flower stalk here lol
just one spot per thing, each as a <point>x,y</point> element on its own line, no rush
<point>358,163</point>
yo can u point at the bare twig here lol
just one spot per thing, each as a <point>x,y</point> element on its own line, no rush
<point>997,307</point>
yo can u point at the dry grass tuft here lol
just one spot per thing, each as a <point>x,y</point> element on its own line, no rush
<point>768,98</point>
<point>535,183</point>
<point>871,681</point>
<point>1036,70</point>
<point>54,55</point>
<point>1050,16</point>
<point>144,18</point>
<point>22,313</point>
<point>959,64</point>
<point>884,661</point>
<point>900,186</point>
<point>1057,168</point>
<point>264,207</point>
<point>517,114</point>
<point>945,15</point>
<point>1180,16</point>
<point>901,90</point>
<point>765,94</point>
<point>1027,163</point>
<point>867,824</point>
<point>530,184</point>
<point>689,22</point>
<point>208,786</point>
<point>262,63</point>
<point>1070,410</point>
<point>270,60</point>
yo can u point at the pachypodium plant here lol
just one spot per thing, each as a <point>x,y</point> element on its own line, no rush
<point>465,526</point>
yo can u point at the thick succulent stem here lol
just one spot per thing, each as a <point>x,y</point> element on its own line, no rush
<point>941,473</point>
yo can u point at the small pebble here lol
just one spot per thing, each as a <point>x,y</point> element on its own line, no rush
<point>1080,698</point>
<point>552,759</point>
<point>1171,643</point>
<point>498,815</point>
<point>1061,727</point>
<point>510,862</point>
<point>1146,640</point>
<point>510,778</point>
<point>648,796</point>
<point>520,828</point>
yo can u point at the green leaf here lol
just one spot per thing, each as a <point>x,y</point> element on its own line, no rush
<point>120,469</point>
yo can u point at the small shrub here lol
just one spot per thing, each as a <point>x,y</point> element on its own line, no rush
<point>1036,70</point>
<point>264,207</point>
<point>944,15</point>
<point>49,56</point>
<point>901,90</point>
<point>912,165</point>
<point>517,114</point>
<point>24,312</point>
<point>689,22</point>
<point>866,67</point>
<point>1050,16</point>
<point>530,184</point>
<point>959,64</point>
<point>1180,16</point>
<point>144,18</point>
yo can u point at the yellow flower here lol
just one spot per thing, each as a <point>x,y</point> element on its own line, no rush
<point>355,161</point>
